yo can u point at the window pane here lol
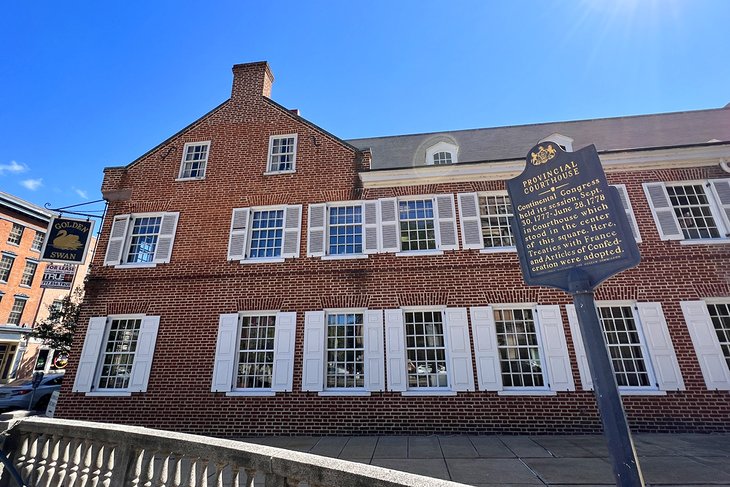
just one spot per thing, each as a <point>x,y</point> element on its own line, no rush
<point>16,234</point>
<point>143,241</point>
<point>195,161</point>
<point>519,354</point>
<point>425,350</point>
<point>256,352</point>
<point>345,230</point>
<point>417,227</point>
<point>693,211</point>
<point>720,314</point>
<point>266,234</point>
<point>624,346</point>
<point>119,353</point>
<point>282,154</point>
<point>345,350</point>
<point>496,215</point>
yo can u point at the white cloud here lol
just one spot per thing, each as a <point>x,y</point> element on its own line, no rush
<point>82,194</point>
<point>32,184</point>
<point>13,167</point>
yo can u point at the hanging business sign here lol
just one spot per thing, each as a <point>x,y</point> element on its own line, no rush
<point>567,217</point>
<point>67,240</point>
<point>58,276</point>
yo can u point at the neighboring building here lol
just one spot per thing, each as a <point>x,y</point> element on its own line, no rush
<point>22,229</point>
<point>257,275</point>
<point>39,357</point>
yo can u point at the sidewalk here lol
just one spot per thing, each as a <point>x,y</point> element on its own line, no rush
<point>679,459</point>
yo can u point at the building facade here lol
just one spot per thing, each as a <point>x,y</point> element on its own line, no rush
<point>22,230</point>
<point>266,277</point>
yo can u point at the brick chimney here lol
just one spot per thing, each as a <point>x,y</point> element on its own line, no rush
<point>251,80</point>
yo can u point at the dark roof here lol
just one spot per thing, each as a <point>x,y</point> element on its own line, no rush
<point>608,134</point>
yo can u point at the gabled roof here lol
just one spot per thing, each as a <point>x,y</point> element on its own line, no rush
<point>510,143</point>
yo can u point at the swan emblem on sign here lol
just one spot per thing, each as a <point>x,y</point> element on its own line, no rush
<point>64,241</point>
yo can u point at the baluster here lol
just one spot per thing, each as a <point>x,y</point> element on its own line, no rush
<point>202,480</point>
<point>250,477</point>
<point>21,457</point>
<point>86,463</point>
<point>218,480</point>
<point>176,477</point>
<point>101,463</point>
<point>105,478</point>
<point>64,454</point>
<point>164,476</point>
<point>76,451</point>
<point>30,458</point>
<point>51,453</point>
<point>139,467</point>
<point>193,474</point>
<point>41,460</point>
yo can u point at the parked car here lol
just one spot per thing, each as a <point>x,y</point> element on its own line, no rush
<point>17,394</point>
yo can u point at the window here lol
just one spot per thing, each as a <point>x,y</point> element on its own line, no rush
<point>495,211</point>
<point>518,344</point>
<point>345,351</point>
<point>16,234</point>
<point>442,153</point>
<point>6,265</point>
<point>708,322</point>
<point>195,160</point>
<point>28,273</point>
<point>37,241</point>
<point>417,226</point>
<point>55,307</point>
<point>345,230</point>
<point>282,153</point>
<point>254,353</point>
<point>265,234</point>
<point>141,239</point>
<point>118,355</point>
<point>639,346</point>
<point>521,349</point>
<point>625,346</point>
<point>425,349</point>
<point>116,358</point>
<point>696,210</point>
<point>16,312</point>
<point>441,158</point>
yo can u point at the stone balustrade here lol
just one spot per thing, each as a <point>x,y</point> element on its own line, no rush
<point>64,453</point>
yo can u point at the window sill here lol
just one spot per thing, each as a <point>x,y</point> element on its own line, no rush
<point>527,392</point>
<point>262,261</point>
<point>191,179</point>
<point>109,394</point>
<point>344,256</point>
<point>640,392</point>
<point>135,266</point>
<point>13,244</point>
<point>705,241</point>
<point>274,173</point>
<point>262,393</point>
<point>498,250</point>
<point>357,393</point>
<point>432,392</point>
<point>414,253</point>
<point>24,285</point>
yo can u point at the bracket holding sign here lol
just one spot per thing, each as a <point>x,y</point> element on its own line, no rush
<point>572,233</point>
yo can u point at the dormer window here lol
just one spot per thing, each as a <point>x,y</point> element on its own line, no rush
<point>565,143</point>
<point>441,154</point>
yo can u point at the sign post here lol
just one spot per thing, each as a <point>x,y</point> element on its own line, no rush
<point>572,233</point>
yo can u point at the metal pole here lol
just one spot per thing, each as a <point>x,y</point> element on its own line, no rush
<point>621,449</point>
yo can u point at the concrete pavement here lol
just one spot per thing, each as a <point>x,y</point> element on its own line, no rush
<point>677,459</point>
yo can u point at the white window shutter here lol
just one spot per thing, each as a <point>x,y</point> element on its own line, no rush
<point>285,332</point>
<point>86,370</point>
<point>486,354</point>
<point>446,223</point>
<point>313,357</point>
<point>374,351</point>
<point>721,190</point>
<point>239,233</point>
<point>389,231</point>
<point>292,231</point>
<point>584,370</point>
<point>142,364</point>
<point>117,237</point>
<point>225,353</point>
<point>626,203</point>
<point>317,230</point>
<point>371,227</point>
<point>707,347</point>
<point>395,355</point>
<point>661,350</point>
<point>556,358</point>
<point>461,372</point>
<point>471,222</point>
<point>661,207</point>
<point>168,227</point>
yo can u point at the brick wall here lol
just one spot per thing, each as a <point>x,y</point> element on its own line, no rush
<point>199,284</point>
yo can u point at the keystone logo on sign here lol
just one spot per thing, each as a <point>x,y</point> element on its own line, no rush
<point>568,217</point>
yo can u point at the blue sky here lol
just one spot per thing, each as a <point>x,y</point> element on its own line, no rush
<point>86,85</point>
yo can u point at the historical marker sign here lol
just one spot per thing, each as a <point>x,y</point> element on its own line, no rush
<point>67,240</point>
<point>568,217</point>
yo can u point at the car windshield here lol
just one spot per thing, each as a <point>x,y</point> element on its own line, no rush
<point>19,383</point>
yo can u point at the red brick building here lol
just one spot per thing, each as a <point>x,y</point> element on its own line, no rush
<point>257,275</point>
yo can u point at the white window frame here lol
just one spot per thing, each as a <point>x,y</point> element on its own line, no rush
<point>241,234</point>
<point>246,391</point>
<point>438,390</point>
<point>442,147</point>
<point>438,219</point>
<point>492,250</point>
<point>346,391</point>
<point>17,299</point>
<point>91,361</point>
<point>121,235</point>
<point>565,142</point>
<point>12,258</point>
<point>180,176</point>
<point>40,240</point>
<point>32,275</point>
<point>327,234</point>
<point>11,238</point>
<point>715,205</point>
<point>272,138</point>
